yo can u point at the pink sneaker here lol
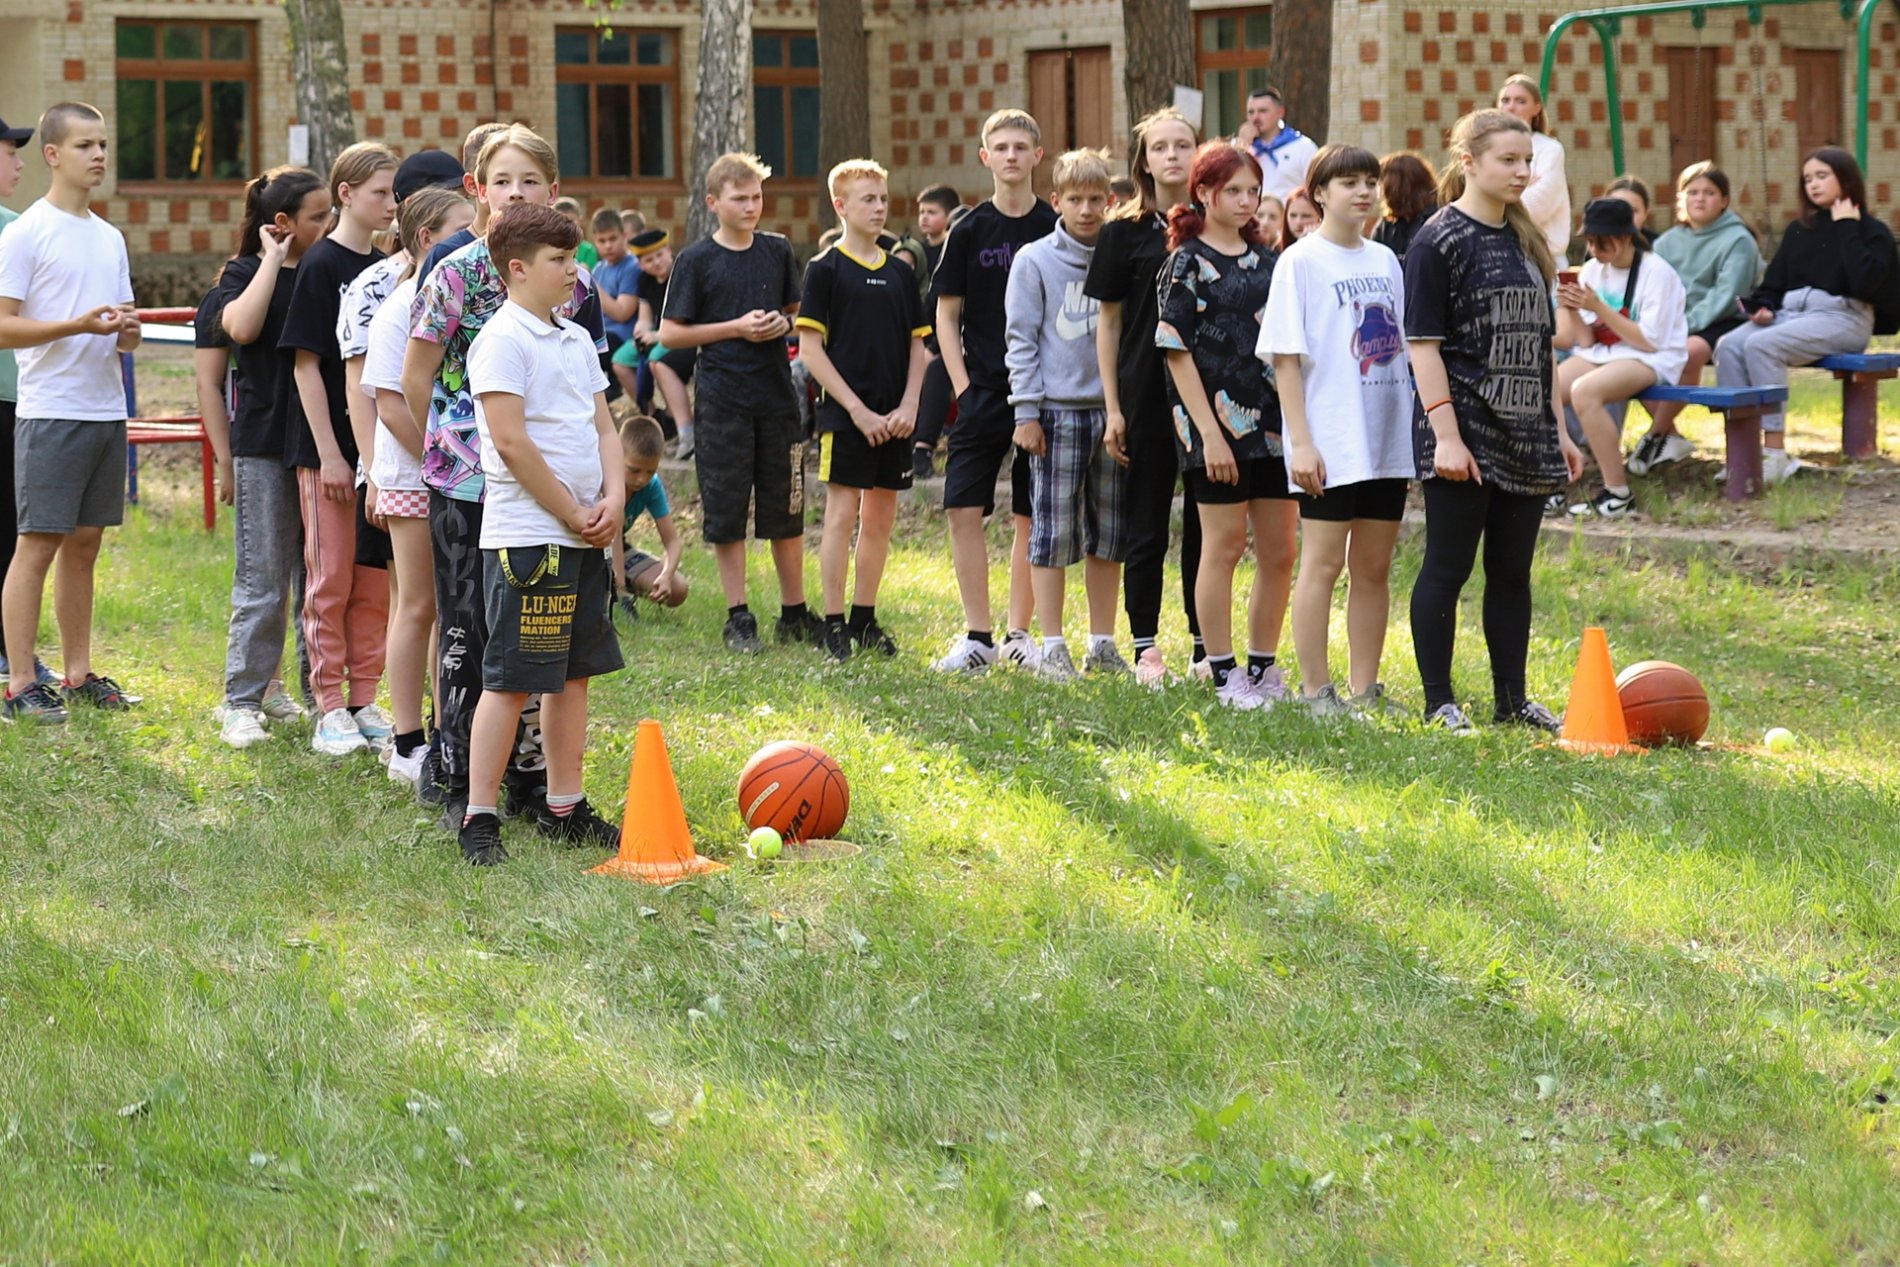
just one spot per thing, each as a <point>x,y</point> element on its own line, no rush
<point>1151,670</point>
<point>1241,692</point>
<point>1272,684</point>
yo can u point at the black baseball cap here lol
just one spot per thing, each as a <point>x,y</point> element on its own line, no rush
<point>1609,218</point>
<point>19,136</point>
<point>426,168</point>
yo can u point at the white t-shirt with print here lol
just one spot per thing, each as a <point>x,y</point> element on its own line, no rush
<point>387,339</point>
<point>1341,311</point>
<point>556,372</point>
<point>60,266</point>
<point>1660,306</point>
<point>362,300</point>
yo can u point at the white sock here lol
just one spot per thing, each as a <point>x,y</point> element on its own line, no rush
<point>1618,490</point>
<point>473,810</point>
<point>1055,642</point>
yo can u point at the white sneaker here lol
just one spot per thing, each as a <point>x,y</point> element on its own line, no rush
<point>683,447</point>
<point>279,707</point>
<point>966,655</point>
<point>375,727</point>
<point>336,735</point>
<point>1241,692</point>
<point>1021,650</point>
<point>1272,684</point>
<point>242,727</point>
<point>405,770</point>
<point>1202,670</point>
<point>1778,465</point>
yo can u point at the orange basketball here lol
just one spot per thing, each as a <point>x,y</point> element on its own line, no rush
<point>1663,703</point>
<point>795,789</point>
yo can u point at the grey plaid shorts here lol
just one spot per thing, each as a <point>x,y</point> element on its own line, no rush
<point>1078,492</point>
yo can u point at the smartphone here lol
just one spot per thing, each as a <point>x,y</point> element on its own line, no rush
<point>1567,276</point>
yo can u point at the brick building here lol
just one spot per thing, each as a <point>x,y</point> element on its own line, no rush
<point>199,91</point>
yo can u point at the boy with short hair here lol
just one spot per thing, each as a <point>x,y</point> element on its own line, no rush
<point>971,278</point>
<point>616,276</point>
<point>586,255</point>
<point>1078,489</point>
<point>861,335</point>
<point>733,296</point>
<point>66,306</point>
<point>551,462</point>
<point>636,573</point>
<point>11,167</point>
<point>934,208</point>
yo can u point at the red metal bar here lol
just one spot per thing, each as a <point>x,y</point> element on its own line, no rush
<point>183,429</point>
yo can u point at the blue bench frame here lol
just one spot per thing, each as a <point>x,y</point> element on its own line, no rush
<point>1741,409</point>
<point>1860,375</point>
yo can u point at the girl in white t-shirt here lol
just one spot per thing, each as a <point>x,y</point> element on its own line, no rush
<point>1547,197</point>
<point>1335,338</point>
<point>1622,319</point>
<point>397,500</point>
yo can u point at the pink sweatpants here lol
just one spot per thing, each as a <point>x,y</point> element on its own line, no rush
<point>345,607</point>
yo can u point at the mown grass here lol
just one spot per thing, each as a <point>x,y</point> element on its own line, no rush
<point>1118,977</point>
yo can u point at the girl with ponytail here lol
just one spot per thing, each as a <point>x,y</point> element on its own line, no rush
<point>1490,445</point>
<point>285,212</point>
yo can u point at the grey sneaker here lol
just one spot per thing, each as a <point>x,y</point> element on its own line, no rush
<point>1325,706</point>
<point>279,708</point>
<point>35,704</point>
<point>1107,660</point>
<point>1374,702</point>
<point>1451,717</point>
<point>1530,713</point>
<point>1056,666</point>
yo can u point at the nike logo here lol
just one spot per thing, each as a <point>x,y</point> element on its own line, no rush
<point>1071,328</point>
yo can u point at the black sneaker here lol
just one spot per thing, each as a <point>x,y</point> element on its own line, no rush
<point>742,633</point>
<point>35,704</point>
<point>836,640</point>
<point>481,841</point>
<point>873,637</point>
<point>1529,713</point>
<point>454,808</point>
<point>923,465</point>
<point>806,627</point>
<point>1450,717</point>
<point>1648,449</point>
<point>580,826</point>
<point>629,607</point>
<point>524,794</point>
<point>1556,504</point>
<point>100,692</point>
<point>429,787</point>
<point>1605,505</point>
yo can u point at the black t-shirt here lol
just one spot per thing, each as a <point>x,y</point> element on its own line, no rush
<point>975,265</point>
<point>1471,287</point>
<point>207,328</point>
<point>868,314</point>
<point>933,255</point>
<point>263,370</point>
<point>1397,235</point>
<point>652,292</point>
<point>1210,307</point>
<point>1128,259</point>
<point>310,326</point>
<point>711,283</point>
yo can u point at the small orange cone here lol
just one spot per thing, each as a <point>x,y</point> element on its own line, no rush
<point>1594,720</point>
<point>655,845</point>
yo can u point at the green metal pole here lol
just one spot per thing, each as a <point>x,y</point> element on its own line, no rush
<point>1613,97</point>
<point>1863,38</point>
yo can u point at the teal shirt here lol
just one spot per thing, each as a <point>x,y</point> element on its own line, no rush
<point>650,500</point>
<point>9,369</point>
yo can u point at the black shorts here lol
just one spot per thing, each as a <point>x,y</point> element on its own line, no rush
<point>1368,499</point>
<point>749,456</point>
<point>548,621</point>
<point>1261,479</point>
<point>847,459</point>
<point>373,547</point>
<point>981,440</point>
<point>681,361</point>
<point>1712,333</point>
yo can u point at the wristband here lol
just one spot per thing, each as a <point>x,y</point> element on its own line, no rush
<point>1430,409</point>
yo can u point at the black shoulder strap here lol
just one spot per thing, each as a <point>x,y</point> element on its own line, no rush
<point>1629,286</point>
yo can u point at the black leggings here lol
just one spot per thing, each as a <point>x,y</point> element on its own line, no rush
<point>933,408</point>
<point>1458,514</point>
<point>1153,474</point>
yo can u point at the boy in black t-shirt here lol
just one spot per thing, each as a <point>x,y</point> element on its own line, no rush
<point>862,331</point>
<point>733,297</point>
<point>971,278</point>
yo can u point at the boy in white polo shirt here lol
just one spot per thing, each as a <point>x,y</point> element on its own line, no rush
<point>555,491</point>
<point>66,306</point>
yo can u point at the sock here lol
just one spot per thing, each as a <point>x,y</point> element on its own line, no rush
<point>862,617</point>
<point>737,609</point>
<point>982,636</point>
<point>468,814</point>
<point>1099,642</point>
<point>407,742</point>
<point>1257,663</point>
<point>1222,665</point>
<point>563,805</point>
<point>1055,642</point>
<point>1200,650</point>
<point>791,611</point>
<point>1618,490</point>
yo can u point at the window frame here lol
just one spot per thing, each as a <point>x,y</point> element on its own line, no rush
<point>203,71</point>
<point>1243,59</point>
<point>632,75</point>
<point>788,77</point>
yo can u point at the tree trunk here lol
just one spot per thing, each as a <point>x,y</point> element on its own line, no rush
<point>1302,67</point>
<point>722,106</point>
<point>1160,40</point>
<point>320,63</point>
<point>844,110</point>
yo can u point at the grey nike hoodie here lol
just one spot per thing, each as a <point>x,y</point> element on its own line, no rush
<point>1050,329</point>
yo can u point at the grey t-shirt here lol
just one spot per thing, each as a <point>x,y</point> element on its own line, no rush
<point>712,283</point>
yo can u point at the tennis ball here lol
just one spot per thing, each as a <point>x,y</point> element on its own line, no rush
<point>1780,739</point>
<point>765,843</point>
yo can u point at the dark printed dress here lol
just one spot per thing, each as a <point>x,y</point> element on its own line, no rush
<point>1211,306</point>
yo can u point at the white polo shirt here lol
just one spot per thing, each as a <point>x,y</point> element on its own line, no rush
<point>556,372</point>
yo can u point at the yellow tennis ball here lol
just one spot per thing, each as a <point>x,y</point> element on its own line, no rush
<point>1779,740</point>
<point>765,843</point>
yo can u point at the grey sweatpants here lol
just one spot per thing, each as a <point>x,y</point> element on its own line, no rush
<point>269,574</point>
<point>1809,325</point>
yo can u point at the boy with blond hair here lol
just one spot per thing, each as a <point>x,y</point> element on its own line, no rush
<point>1078,490</point>
<point>861,334</point>
<point>733,296</point>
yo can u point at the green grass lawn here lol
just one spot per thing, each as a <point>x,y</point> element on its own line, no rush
<point>1118,977</point>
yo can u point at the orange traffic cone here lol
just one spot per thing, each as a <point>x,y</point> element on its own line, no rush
<point>655,845</point>
<point>1594,720</point>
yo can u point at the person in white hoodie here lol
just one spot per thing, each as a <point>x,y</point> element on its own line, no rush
<point>1078,491</point>
<point>1547,197</point>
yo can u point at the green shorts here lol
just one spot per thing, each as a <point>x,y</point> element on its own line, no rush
<point>631,355</point>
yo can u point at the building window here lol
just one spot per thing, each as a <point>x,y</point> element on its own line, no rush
<point>1232,49</point>
<point>785,101</point>
<point>616,96</point>
<point>185,94</point>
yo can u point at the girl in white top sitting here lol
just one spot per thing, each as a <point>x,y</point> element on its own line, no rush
<point>1622,318</point>
<point>1547,197</point>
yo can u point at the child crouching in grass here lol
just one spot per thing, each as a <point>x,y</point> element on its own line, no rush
<point>552,469</point>
<point>638,574</point>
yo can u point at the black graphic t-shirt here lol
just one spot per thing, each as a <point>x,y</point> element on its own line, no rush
<point>1471,287</point>
<point>1210,306</point>
<point>1128,258</point>
<point>975,264</point>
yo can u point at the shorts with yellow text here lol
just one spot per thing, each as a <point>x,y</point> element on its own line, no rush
<point>548,621</point>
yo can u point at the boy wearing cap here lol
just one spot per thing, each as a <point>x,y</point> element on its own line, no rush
<point>644,363</point>
<point>11,139</point>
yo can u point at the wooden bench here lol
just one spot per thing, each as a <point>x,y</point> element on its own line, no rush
<point>189,430</point>
<point>1741,409</point>
<point>1860,375</point>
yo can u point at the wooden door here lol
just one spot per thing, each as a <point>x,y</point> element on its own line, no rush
<point>1817,97</point>
<point>1072,96</point>
<point>1692,82</point>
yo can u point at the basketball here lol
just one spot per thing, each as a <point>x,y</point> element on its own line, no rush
<point>795,789</point>
<point>1663,703</point>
